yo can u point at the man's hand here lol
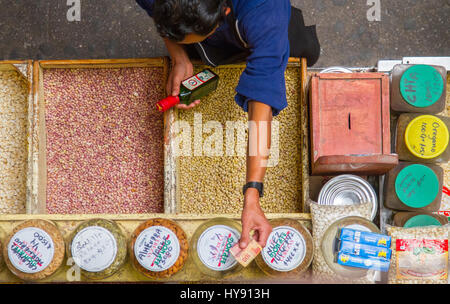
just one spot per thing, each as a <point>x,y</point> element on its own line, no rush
<point>182,69</point>
<point>253,218</point>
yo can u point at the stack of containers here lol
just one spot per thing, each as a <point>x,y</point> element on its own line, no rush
<point>413,189</point>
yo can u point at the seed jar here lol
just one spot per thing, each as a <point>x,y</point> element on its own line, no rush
<point>423,138</point>
<point>289,250</point>
<point>414,187</point>
<point>98,247</point>
<point>211,244</point>
<point>34,250</point>
<point>159,248</point>
<point>419,219</point>
<point>418,88</point>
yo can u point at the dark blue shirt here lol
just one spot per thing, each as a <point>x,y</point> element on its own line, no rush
<point>263,25</point>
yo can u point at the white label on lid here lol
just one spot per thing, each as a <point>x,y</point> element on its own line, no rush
<point>31,250</point>
<point>94,248</point>
<point>285,249</point>
<point>157,248</point>
<point>197,80</point>
<point>213,247</point>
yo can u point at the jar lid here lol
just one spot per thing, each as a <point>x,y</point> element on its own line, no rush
<point>31,250</point>
<point>422,220</point>
<point>285,249</point>
<point>426,136</point>
<point>157,248</point>
<point>417,186</point>
<point>94,248</point>
<point>421,86</point>
<point>213,247</point>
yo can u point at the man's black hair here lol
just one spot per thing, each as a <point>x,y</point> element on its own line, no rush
<point>175,19</point>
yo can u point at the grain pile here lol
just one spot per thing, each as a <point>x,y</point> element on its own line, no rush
<point>323,216</point>
<point>104,140</point>
<point>13,142</point>
<point>213,184</point>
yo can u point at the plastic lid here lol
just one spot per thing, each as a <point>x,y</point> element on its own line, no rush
<point>421,86</point>
<point>417,186</point>
<point>31,250</point>
<point>285,249</point>
<point>426,136</point>
<point>213,247</point>
<point>157,248</point>
<point>422,220</point>
<point>94,248</point>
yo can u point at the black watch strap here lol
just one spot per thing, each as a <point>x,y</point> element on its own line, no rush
<point>256,185</point>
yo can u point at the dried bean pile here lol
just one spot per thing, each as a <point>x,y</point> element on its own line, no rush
<point>13,142</point>
<point>213,184</point>
<point>104,140</point>
<point>322,217</point>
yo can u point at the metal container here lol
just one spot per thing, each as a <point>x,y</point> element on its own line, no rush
<point>348,190</point>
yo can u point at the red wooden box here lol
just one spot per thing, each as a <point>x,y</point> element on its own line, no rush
<point>349,124</point>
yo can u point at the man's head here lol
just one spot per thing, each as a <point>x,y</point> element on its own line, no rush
<point>188,21</point>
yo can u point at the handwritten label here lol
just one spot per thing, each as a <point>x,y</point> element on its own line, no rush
<point>94,248</point>
<point>214,245</point>
<point>417,186</point>
<point>157,248</point>
<point>197,80</point>
<point>285,249</point>
<point>421,86</point>
<point>31,250</point>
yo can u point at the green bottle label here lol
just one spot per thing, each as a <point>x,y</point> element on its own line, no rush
<point>417,186</point>
<point>422,220</point>
<point>421,86</point>
<point>198,79</point>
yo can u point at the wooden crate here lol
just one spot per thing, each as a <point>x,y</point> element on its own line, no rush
<point>356,141</point>
<point>128,222</point>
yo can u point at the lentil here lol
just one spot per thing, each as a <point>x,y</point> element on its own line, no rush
<point>48,250</point>
<point>431,262</point>
<point>105,244</point>
<point>213,184</point>
<point>13,142</point>
<point>179,248</point>
<point>104,140</point>
<point>322,217</point>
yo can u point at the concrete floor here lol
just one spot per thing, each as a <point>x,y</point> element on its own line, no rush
<point>39,29</point>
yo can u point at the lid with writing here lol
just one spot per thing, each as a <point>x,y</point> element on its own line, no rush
<point>94,248</point>
<point>157,248</point>
<point>213,247</point>
<point>285,249</point>
<point>417,186</point>
<point>422,220</point>
<point>426,136</point>
<point>421,86</point>
<point>31,250</point>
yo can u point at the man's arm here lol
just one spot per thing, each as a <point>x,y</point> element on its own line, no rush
<point>253,218</point>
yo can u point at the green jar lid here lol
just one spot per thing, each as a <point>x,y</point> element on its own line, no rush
<point>421,85</point>
<point>417,186</point>
<point>422,220</point>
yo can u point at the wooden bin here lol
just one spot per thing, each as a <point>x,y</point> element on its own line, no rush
<point>128,222</point>
<point>350,128</point>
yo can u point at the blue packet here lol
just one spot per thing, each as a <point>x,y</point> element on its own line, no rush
<point>363,237</point>
<point>360,262</point>
<point>365,251</point>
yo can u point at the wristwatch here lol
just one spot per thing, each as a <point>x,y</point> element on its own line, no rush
<point>256,185</point>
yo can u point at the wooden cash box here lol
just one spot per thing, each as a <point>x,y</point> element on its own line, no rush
<point>350,127</point>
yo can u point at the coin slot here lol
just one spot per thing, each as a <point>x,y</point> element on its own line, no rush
<point>349,121</point>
